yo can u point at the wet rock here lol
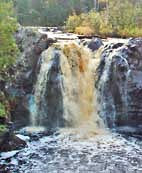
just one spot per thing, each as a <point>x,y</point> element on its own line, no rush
<point>9,142</point>
<point>3,169</point>
<point>31,44</point>
<point>130,131</point>
<point>29,134</point>
<point>94,44</point>
<point>50,109</point>
<point>3,120</point>
<point>120,84</point>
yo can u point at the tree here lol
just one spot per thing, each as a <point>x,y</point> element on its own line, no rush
<point>8,47</point>
<point>8,53</point>
<point>22,11</point>
<point>49,12</point>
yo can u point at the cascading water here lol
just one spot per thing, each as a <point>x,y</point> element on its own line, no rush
<point>105,97</point>
<point>33,110</point>
<point>114,74</point>
<point>65,96</point>
<point>64,93</point>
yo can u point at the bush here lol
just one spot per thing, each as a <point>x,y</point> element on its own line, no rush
<point>94,18</point>
<point>120,18</point>
<point>8,25</point>
<point>73,22</point>
<point>3,114</point>
<point>8,53</point>
<point>2,110</point>
<point>133,32</point>
<point>84,30</point>
<point>3,129</point>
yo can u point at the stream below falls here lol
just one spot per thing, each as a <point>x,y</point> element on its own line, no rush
<point>67,152</point>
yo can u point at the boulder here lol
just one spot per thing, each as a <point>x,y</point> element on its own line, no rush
<point>94,44</point>
<point>9,142</point>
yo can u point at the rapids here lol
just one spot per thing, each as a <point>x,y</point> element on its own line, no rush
<point>68,152</point>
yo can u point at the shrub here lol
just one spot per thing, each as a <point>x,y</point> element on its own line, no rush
<point>84,30</point>
<point>8,52</point>
<point>94,18</point>
<point>3,129</point>
<point>2,110</point>
<point>73,22</point>
<point>8,25</point>
<point>120,18</point>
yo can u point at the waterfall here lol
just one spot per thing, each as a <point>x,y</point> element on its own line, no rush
<point>114,72</point>
<point>33,110</point>
<point>106,97</point>
<point>64,94</point>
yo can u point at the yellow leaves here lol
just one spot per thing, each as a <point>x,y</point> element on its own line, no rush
<point>120,18</point>
<point>73,22</point>
<point>84,30</point>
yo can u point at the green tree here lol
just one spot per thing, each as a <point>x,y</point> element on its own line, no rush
<point>125,17</point>
<point>8,51</point>
<point>8,47</point>
<point>22,8</point>
<point>49,12</point>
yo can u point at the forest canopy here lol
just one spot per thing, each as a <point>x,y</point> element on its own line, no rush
<point>49,12</point>
<point>101,17</point>
<point>116,18</point>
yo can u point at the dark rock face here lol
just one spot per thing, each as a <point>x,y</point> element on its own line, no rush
<point>31,44</point>
<point>53,92</point>
<point>10,142</point>
<point>120,84</point>
<point>93,44</point>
